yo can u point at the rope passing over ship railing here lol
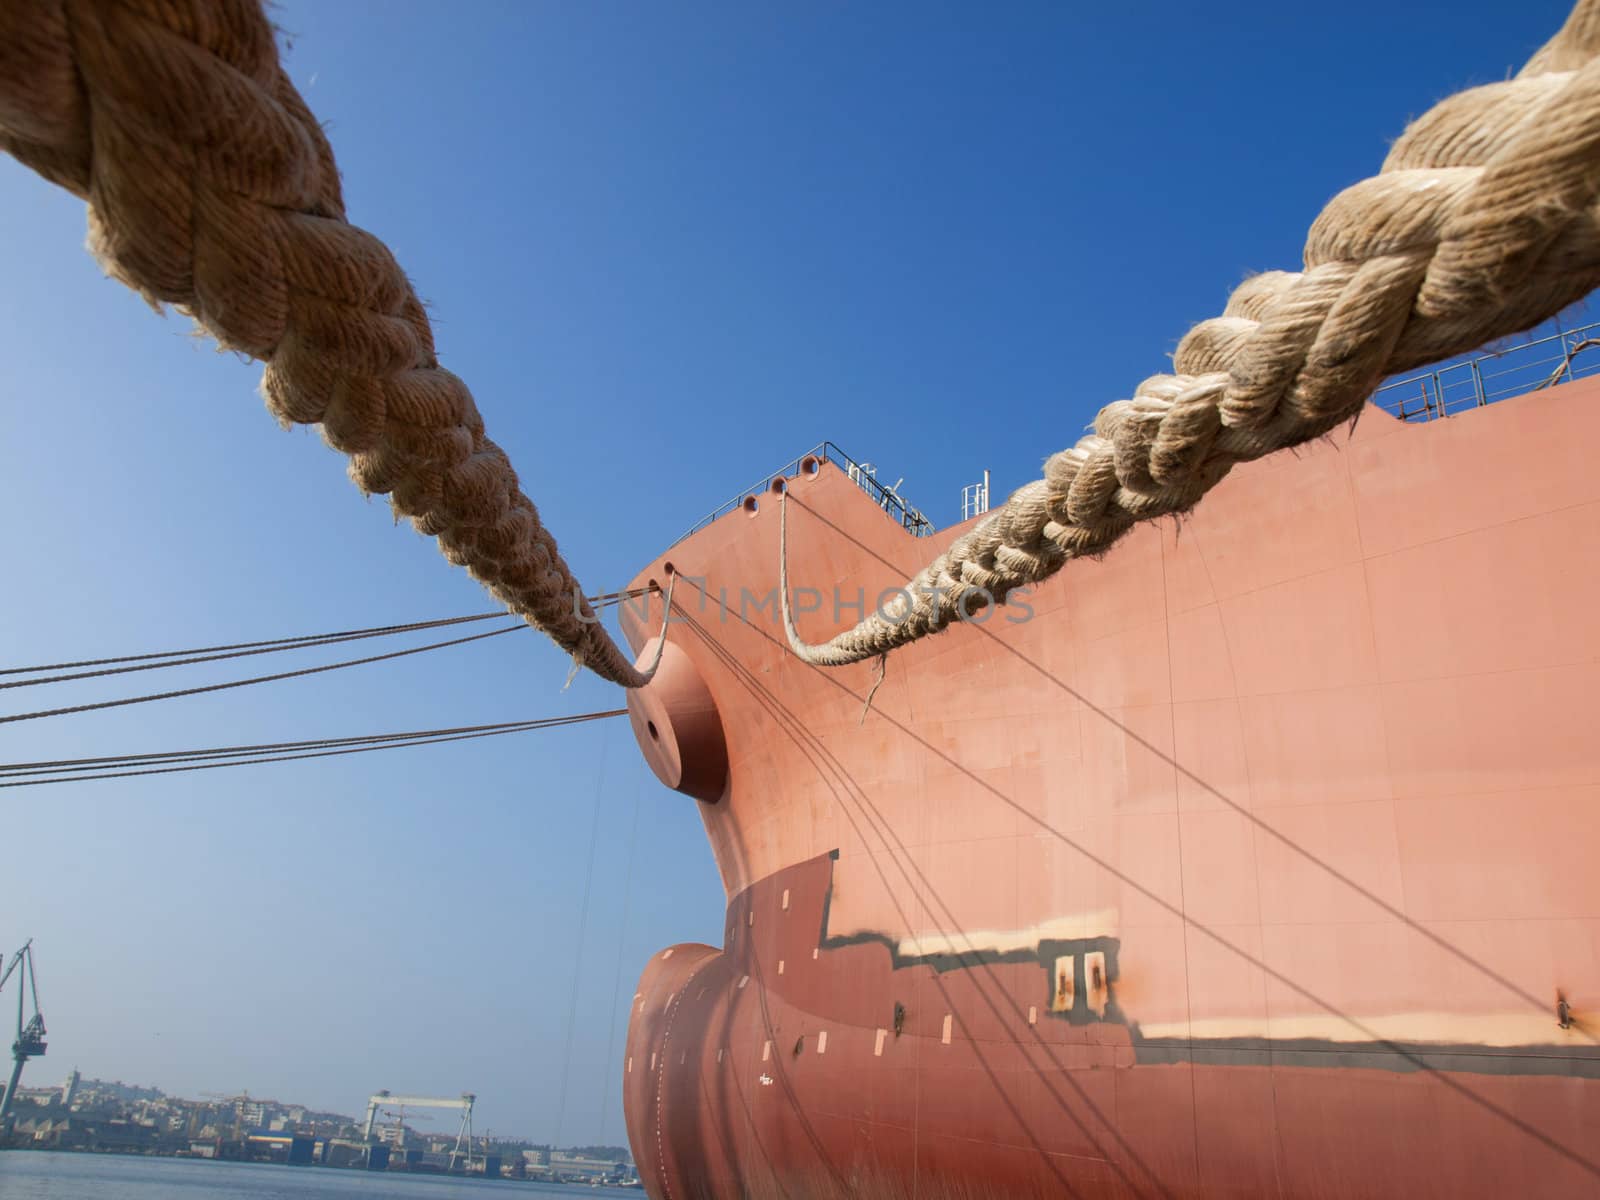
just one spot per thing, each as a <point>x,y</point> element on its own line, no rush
<point>1482,222</point>
<point>211,187</point>
<point>121,766</point>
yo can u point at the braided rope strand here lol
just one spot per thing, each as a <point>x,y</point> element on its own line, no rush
<point>212,188</point>
<point>1482,222</point>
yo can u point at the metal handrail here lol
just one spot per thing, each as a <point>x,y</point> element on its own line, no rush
<point>1469,383</point>
<point>1427,396</point>
<point>885,497</point>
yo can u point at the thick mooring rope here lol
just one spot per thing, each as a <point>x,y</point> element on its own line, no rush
<point>211,187</point>
<point>1483,222</point>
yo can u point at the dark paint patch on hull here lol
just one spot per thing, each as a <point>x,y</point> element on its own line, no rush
<point>731,1094</point>
<point>1328,761</point>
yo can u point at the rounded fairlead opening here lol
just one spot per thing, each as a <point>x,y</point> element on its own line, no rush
<point>679,731</point>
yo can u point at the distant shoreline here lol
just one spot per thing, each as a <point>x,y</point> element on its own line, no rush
<point>387,1173</point>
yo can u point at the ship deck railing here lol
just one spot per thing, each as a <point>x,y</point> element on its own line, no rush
<point>1479,380</point>
<point>884,495</point>
<point>1542,361</point>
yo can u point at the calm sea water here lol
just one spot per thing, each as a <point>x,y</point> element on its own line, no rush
<point>42,1175</point>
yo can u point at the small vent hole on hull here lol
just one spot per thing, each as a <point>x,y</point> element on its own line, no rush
<point>655,734</point>
<point>1066,986</point>
<point>1094,971</point>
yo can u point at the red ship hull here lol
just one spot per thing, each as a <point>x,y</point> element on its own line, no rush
<point>1256,859</point>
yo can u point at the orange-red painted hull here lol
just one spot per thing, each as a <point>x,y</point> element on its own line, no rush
<point>1253,863</point>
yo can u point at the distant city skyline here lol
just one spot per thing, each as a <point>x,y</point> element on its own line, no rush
<point>258,1109</point>
<point>96,1116</point>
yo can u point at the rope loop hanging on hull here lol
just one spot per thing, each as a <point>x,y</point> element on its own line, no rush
<point>1482,222</point>
<point>211,187</point>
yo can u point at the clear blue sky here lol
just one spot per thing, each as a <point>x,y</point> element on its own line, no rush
<point>668,246</point>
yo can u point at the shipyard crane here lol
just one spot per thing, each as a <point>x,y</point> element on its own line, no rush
<point>30,1036</point>
<point>464,1103</point>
